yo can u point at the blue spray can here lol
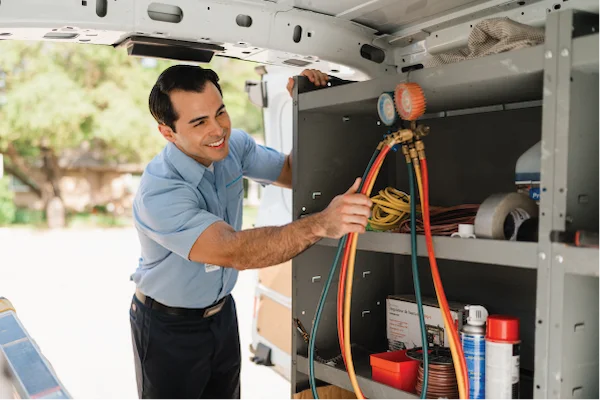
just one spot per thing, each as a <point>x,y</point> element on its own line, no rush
<point>472,338</point>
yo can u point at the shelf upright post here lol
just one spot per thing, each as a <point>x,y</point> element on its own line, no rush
<point>562,368</point>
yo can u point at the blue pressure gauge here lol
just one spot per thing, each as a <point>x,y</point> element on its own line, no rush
<point>387,109</point>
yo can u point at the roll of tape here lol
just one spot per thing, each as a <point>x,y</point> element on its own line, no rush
<point>500,215</point>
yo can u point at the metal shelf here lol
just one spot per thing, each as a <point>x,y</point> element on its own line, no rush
<point>339,377</point>
<point>510,77</point>
<point>577,260</point>
<point>499,252</point>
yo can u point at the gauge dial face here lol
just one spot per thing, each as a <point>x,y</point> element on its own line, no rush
<point>386,109</point>
<point>410,101</point>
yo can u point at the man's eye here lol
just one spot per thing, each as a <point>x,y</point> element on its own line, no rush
<point>199,123</point>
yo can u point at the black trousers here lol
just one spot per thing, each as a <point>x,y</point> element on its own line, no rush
<point>186,356</point>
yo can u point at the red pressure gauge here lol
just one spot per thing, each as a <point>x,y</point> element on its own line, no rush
<point>410,101</point>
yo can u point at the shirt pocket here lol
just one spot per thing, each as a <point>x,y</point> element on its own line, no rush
<point>235,199</point>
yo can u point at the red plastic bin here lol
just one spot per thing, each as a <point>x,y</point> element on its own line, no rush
<point>395,369</point>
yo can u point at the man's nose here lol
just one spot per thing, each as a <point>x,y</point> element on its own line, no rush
<point>215,126</point>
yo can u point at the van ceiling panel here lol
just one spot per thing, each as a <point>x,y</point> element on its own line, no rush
<point>387,16</point>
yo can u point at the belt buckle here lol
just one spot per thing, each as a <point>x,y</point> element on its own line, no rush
<point>214,309</point>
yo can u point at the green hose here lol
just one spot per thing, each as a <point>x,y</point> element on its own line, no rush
<point>415,271</point>
<point>315,327</point>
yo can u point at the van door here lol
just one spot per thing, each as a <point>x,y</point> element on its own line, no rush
<point>272,318</point>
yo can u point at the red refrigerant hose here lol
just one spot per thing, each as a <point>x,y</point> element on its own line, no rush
<point>437,280</point>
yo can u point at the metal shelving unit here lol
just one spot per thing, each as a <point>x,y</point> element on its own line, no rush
<point>491,109</point>
<point>498,252</point>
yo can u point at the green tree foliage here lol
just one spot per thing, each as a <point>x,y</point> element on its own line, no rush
<point>7,207</point>
<point>57,96</point>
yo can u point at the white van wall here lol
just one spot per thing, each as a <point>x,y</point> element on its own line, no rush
<point>273,303</point>
<point>276,204</point>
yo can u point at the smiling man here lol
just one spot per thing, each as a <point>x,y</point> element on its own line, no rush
<point>188,213</point>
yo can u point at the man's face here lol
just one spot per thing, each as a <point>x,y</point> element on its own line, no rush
<point>203,127</point>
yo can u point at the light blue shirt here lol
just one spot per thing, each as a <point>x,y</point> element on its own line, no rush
<point>177,200</point>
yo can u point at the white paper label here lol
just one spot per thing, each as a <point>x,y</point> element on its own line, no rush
<point>501,371</point>
<point>211,268</point>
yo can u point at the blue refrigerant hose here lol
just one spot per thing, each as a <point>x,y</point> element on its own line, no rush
<point>315,327</point>
<point>415,272</point>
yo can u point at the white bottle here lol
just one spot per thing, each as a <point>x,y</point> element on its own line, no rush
<point>502,357</point>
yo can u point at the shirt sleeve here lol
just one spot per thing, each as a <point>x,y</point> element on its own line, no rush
<point>260,163</point>
<point>173,218</point>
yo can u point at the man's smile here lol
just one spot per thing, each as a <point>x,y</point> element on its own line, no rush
<point>218,144</point>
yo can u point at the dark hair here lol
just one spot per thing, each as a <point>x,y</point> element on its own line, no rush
<point>178,77</point>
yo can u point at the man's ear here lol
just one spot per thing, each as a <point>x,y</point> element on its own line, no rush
<point>167,132</point>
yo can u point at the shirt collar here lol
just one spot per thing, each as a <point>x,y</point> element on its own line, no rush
<point>190,170</point>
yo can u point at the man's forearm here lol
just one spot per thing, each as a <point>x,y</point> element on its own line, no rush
<point>220,244</point>
<point>264,247</point>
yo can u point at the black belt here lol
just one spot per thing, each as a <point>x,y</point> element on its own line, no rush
<point>180,311</point>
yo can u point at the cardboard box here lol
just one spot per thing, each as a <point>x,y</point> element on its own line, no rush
<point>277,278</point>
<point>274,323</point>
<point>403,329</point>
<point>326,392</point>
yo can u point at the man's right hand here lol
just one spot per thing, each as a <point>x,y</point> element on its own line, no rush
<point>346,213</point>
<point>220,244</point>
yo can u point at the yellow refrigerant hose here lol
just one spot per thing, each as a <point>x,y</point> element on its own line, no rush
<point>390,207</point>
<point>348,303</point>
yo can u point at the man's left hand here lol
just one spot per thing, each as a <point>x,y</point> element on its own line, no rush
<point>317,77</point>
